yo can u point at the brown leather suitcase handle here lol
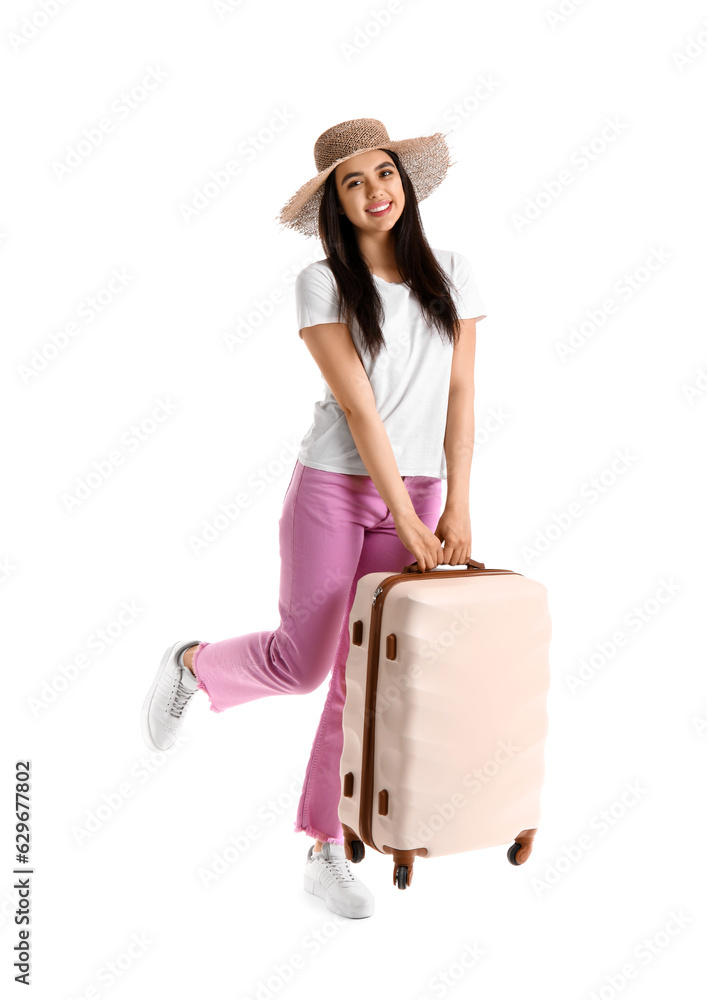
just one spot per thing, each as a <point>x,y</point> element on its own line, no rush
<point>470,564</point>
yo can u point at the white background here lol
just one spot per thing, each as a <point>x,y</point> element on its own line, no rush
<point>521,92</point>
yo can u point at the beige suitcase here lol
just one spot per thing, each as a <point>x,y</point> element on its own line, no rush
<point>445,716</point>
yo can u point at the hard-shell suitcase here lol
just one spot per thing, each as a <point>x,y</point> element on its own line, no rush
<point>445,716</point>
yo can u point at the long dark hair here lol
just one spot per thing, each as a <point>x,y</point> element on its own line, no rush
<point>358,296</point>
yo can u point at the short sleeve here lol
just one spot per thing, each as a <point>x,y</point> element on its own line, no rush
<point>316,296</point>
<point>467,300</point>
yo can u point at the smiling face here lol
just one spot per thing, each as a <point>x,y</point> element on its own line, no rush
<point>366,182</point>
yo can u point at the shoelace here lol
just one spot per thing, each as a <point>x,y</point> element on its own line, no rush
<point>339,868</point>
<point>180,701</point>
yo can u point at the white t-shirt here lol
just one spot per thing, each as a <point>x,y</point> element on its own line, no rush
<point>409,378</point>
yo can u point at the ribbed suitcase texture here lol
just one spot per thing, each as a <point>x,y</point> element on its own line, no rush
<point>445,716</point>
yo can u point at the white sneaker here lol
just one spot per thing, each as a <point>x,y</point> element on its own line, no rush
<point>327,874</point>
<point>163,708</point>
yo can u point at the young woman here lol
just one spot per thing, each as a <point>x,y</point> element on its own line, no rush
<point>391,323</point>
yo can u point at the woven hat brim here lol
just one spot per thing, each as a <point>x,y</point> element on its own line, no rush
<point>426,159</point>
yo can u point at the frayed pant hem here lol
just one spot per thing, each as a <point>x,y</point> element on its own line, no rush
<point>202,687</point>
<point>212,707</point>
<point>311,831</point>
<point>199,683</point>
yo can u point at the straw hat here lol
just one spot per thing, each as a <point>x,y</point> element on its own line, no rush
<point>426,160</point>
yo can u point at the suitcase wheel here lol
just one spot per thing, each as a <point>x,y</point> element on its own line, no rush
<point>523,845</point>
<point>512,853</point>
<point>357,851</point>
<point>400,877</point>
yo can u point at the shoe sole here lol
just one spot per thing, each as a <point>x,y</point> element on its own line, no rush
<point>145,713</point>
<point>317,889</point>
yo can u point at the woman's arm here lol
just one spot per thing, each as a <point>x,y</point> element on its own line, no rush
<point>455,525</point>
<point>333,350</point>
<point>459,432</point>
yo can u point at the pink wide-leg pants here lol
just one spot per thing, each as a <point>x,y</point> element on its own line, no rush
<point>334,529</point>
